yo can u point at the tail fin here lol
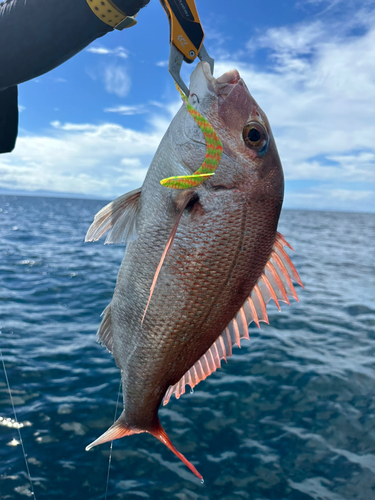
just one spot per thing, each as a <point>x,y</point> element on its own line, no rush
<point>120,429</point>
<point>160,434</point>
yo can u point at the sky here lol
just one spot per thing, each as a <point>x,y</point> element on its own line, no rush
<point>92,125</point>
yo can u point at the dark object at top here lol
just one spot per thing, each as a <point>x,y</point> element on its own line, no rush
<point>8,119</point>
<point>37,36</point>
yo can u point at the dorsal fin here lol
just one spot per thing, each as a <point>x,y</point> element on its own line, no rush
<point>275,283</point>
<point>119,217</point>
<point>105,336</point>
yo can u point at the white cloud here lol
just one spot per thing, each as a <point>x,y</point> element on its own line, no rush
<point>59,80</point>
<point>328,4</point>
<point>319,95</point>
<point>287,43</point>
<point>116,80</point>
<point>127,110</point>
<point>100,50</point>
<point>357,165</point>
<point>349,194</point>
<point>331,198</point>
<point>103,160</point>
<point>114,76</point>
<point>162,64</point>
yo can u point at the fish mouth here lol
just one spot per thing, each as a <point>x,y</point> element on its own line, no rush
<point>202,80</point>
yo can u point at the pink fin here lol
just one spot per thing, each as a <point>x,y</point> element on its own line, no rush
<point>260,305</point>
<point>283,273</point>
<point>105,336</point>
<point>252,311</point>
<point>283,241</point>
<point>120,429</point>
<point>279,250</point>
<point>160,434</point>
<point>116,431</point>
<point>275,283</point>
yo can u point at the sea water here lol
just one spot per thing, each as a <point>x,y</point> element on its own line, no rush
<point>291,416</point>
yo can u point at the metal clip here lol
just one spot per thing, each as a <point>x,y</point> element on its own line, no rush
<point>128,22</point>
<point>176,58</point>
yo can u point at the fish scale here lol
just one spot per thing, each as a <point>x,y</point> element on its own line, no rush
<point>177,283</point>
<point>201,263</point>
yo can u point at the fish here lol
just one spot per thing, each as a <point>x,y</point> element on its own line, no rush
<point>200,263</point>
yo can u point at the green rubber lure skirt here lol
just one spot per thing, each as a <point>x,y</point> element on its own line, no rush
<point>211,160</point>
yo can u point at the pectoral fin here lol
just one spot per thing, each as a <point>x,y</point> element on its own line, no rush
<point>119,217</point>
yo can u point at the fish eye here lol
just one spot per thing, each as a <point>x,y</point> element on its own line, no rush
<point>255,136</point>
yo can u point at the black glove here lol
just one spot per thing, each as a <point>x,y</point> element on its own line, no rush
<point>35,37</point>
<point>8,119</point>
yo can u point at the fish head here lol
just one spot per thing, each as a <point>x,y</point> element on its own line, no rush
<point>250,161</point>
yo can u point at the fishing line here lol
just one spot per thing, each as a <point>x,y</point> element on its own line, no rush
<point>18,426</point>
<point>111,447</point>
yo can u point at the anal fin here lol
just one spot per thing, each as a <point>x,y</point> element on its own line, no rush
<point>105,336</point>
<point>275,283</point>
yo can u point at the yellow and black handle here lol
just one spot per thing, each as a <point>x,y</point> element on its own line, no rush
<point>186,32</point>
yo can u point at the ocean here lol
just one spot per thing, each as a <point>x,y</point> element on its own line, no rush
<point>290,416</point>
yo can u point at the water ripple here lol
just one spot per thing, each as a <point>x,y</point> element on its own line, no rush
<point>291,416</point>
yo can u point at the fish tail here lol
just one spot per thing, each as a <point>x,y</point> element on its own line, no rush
<point>121,429</point>
<point>118,430</point>
<point>162,436</point>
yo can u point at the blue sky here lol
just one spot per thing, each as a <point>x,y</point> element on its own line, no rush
<point>92,125</point>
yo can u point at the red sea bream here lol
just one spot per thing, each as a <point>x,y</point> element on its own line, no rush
<point>226,262</point>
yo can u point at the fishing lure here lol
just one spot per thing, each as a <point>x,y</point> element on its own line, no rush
<point>211,160</point>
